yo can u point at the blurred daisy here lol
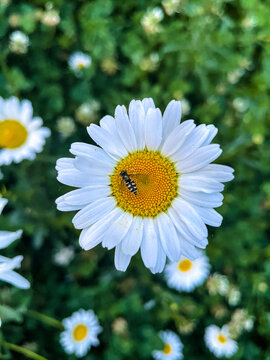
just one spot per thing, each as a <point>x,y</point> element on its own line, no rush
<point>21,134</point>
<point>172,347</point>
<point>186,275</point>
<point>18,42</point>
<point>219,341</point>
<point>151,177</point>
<point>81,330</point>
<point>79,61</point>
<point>8,265</point>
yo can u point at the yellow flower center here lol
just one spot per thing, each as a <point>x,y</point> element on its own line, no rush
<point>80,66</point>
<point>80,332</point>
<point>185,265</point>
<point>156,181</point>
<point>12,134</point>
<point>222,339</point>
<point>167,349</point>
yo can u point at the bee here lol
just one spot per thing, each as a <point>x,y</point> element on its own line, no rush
<point>129,183</point>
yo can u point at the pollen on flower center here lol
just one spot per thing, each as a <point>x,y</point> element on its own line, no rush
<point>185,265</point>
<point>12,134</point>
<point>167,349</point>
<point>80,66</point>
<point>222,339</point>
<point>156,181</point>
<point>80,332</point>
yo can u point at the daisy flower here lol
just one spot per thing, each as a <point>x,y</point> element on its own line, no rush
<point>21,134</point>
<point>219,341</point>
<point>172,347</point>
<point>8,265</point>
<point>79,61</point>
<point>186,275</point>
<point>81,330</point>
<point>149,186</point>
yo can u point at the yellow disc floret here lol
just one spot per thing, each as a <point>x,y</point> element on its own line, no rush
<point>167,349</point>
<point>185,265</point>
<point>12,134</point>
<point>80,332</point>
<point>222,339</point>
<point>156,181</point>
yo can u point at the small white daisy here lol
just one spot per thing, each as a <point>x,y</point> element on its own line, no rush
<point>21,134</point>
<point>186,275</point>
<point>173,347</point>
<point>8,265</point>
<point>79,61</point>
<point>150,186</point>
<point>81,330</point>
<point>219,342</point>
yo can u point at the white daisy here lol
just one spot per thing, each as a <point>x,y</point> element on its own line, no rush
<point>186,275</point>
<point>219,341</point>
<point>21,134</point>
<point>166,200</point>
<point>81,330</point>
<point>79,61</point>
<point>8,265</point>
<point>172,347</point>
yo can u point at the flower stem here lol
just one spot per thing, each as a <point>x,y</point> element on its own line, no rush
<point>45,319</point>
<point>30,354</point>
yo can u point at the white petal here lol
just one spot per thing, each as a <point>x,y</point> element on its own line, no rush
<point>189,216</point>
<point>171,117</point>
<point>132,241</point>
<point>93,212</point>
<point>202,199</point>
<point>153,129</point>
<point>74,178</point>
<point>211,134</point>
<point>86,195</point>
<point>137,119</point>
<point>107,141</point>
<point>149,246</point>
<point>125,129</point>
<point>168,237</point>
<point>220,173</point>
<point>7,237</point>
<point>209,216</point>
<point>192,142</point>
<point>93,167</point>
<point>189,250</point>
<point>93,235</point>
<point>200,158</point>
<point>121,260</point>
<point>161,261</point>
<point>3,203</point>
<point>117,230</point>
<point>64,164</point>
<point>26,111</point>
<point>148,103</point>
<point>63,206</point>
<point>177,137</point>
<point>15,279</point>
<point>90,152</point>
<point>197,183</point>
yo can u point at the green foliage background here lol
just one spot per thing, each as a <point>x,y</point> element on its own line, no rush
<point>209,54</point>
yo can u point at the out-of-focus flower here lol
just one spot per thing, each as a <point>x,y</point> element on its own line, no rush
<point>235,75</point>
<point>186,275</point>
<point>50,17</point>
<point>240,321</point>
<point>218,284</point>
<point>18,42</point>
<point>249,22</point>
<point>81,331</point>
<point>8,265</point>
<point>185,106</point>
<point>219,311</point>
<point>233,295</point>
<point>87,113</point>
<point>79,61</point>
<point>66,126</point>
<point>120,326</point>
<point>149,304</point>
<point>109,66</point>
<point>151,20</point>
<point>173,347</point>
<point>172,6</point>
<point>258,139</point>
<point>14,20</point>
<point>64,256</point>
<point>150,63</point>
<point>128,215</point>
<point>186,326</point>
<point>240,104</point>
<point>21,134</point>
<point>219,341</point>
<point>263,287</point>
